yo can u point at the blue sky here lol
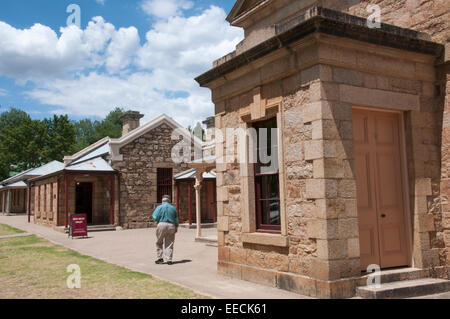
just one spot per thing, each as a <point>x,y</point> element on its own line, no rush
<point>141,55</point>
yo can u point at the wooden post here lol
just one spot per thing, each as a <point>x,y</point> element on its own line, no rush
<point>198,201</point>
<point>112,199</point>
<point>177,186</point>
<point>190,202</point>
<point>66,199</point>
<point>57,201</point>
<point>29,204</point>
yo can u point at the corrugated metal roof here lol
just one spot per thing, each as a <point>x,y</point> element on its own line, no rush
<point>190,174</point>
<point>17,185</point>
<point>102,150</point>
<point>95,165</point>
<point>33,172</point>
<point>46,169</point>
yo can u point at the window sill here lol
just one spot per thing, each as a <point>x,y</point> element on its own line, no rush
<point>267,239</point>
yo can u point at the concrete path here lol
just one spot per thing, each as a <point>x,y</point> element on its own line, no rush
<point>195,263</point>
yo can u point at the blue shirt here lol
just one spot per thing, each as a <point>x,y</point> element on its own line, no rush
<point>166,213</point>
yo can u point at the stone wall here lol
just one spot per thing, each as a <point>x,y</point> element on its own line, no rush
<point>138,175</point>
<point>429,16</point>
<point>313,91</point>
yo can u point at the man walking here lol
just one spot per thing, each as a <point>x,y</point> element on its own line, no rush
<point>167,218</point>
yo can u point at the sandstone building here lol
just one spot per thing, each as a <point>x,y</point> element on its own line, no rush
<point>362,172</point>
<point>118,182</point>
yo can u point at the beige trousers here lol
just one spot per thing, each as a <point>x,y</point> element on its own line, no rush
<point>165,234</point>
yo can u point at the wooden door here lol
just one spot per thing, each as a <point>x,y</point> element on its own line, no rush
<point>378,170</point>
<point>211,201</point>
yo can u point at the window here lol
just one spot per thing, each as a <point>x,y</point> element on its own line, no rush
<point>267,189</point>
<point>164,180</point>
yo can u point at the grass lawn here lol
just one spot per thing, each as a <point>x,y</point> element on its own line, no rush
<point>31,267</point>
<point>8,230</point>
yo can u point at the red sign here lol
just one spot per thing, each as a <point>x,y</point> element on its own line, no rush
<point>78,225</point>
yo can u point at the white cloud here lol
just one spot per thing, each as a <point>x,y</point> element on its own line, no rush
<point>3,92</point>
<point>38,52</point>
<point>124,43</point>
<point>102,2</point>
<point>96,94</point>
<point>165,8</point>
<point>89,72</point>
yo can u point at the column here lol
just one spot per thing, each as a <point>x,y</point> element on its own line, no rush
<point>198,203</point>
<point>8,203</point>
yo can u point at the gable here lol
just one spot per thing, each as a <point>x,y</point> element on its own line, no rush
<point>117,144</point>
<point>241,7</point>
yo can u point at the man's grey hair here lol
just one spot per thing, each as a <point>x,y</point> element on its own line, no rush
<point>166,199</point>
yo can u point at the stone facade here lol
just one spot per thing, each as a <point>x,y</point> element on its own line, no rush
<point>311,86</point>
<point>138,175</point>
<point>429,16</point>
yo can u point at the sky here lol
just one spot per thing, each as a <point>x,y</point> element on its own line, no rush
<point>140,55</point>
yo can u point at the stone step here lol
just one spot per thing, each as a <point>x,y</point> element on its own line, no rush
<point>401,274</point>
<point>194,226</point>
<point>101,228</point>
<point>405,289</point>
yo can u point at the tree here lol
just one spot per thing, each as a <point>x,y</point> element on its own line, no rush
<point>111,126</point>
<point>12,118</point>
<point>60,138</point>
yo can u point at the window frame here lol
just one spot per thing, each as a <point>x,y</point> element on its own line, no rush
<point>163,182</point>
<point>260,227</point>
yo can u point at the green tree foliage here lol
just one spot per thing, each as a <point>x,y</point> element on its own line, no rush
<point>27,143</point>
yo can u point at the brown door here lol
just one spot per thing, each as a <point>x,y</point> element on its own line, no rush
<point>378,170</point>
<point>211,210</point>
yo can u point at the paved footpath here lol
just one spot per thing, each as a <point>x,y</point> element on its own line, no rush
<point>195,263</point>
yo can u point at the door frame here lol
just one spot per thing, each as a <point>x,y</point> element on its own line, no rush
<point>404,176</point>
<point>92,199</point>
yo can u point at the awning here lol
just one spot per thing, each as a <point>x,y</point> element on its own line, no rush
<point>190,174</point>
<point>16,185</point>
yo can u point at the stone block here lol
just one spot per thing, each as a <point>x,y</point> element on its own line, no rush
<point>320,91</point>
<point>346,76</point>
<point>332,249</point>
<point>223,223</point>
<point>347,188</point>
<point>353,248</point>
<point>423,187</point>
<point>378,98</point>
<point>276,261</point>
<point>224,253</point>
<point>238,255</point>
<point>325,130</point>
<point>321,188</point>
<point>323,229</point>
<point>298,284</point>
<point>259,276</point>
<point>348,228</point>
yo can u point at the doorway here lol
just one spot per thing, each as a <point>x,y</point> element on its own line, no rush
<point>380,189</point>
<point>210,215</point>
<point>83,200</point>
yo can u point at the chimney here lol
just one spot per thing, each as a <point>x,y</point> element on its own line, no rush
<point>210,122</point>
<point>130,121</point>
